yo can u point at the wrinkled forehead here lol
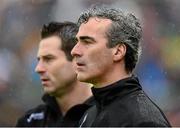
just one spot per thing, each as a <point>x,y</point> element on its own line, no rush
<point>94,25</point>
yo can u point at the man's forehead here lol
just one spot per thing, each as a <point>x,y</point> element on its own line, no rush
<point>49,45</point>
<point>50,42</point>
<point>94,26</point>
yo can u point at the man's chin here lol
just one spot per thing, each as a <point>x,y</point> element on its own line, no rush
<point>82,78</point>
<point>48,91</point>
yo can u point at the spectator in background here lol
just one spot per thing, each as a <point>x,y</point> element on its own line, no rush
<point>105,55</point>
<point>62,90</point>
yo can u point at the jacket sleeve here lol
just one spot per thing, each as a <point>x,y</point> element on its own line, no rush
<point>27,120</point>
<point>21,122</point>
<point>154,124</point>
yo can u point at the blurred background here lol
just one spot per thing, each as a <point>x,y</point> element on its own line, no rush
<point>20,25</point>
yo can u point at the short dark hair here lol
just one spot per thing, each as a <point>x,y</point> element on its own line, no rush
<point>66,31</point>
<point>125,29</point>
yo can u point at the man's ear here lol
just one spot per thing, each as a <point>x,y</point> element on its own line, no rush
<point>119,52</point>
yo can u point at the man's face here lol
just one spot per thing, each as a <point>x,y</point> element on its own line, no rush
<point>92,57</point>
<point>56,72</point>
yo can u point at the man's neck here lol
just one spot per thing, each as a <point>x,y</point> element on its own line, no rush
<point>77,95</point>
<point>116,73</point>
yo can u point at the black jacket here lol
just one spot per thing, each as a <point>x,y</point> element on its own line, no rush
<point>49,114</point>
<point>123,104</point>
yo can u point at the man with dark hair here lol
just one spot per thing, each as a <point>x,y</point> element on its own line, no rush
<point>105,55</point>
<point>64,94</point>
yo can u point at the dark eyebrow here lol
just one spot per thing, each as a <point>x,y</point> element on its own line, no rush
<point>45,56</point>
<point>87,38</point>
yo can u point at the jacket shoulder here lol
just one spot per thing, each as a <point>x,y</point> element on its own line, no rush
<point>143,111</point>
<point>37,113</point>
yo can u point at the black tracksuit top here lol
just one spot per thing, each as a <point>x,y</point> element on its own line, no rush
<point>49,114</point>
<point>123,104</point>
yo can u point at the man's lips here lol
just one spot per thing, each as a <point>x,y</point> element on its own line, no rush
<point>79,65</point>
<point>44,81</point>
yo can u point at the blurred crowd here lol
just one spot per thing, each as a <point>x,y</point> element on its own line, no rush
<point>20,25</point>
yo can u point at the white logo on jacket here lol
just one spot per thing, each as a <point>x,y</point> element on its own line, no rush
<point>36,116</point>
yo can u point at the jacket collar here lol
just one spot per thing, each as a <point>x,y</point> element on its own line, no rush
<point>53,105</point>
<point>120,88</point>
<point>51,102</point>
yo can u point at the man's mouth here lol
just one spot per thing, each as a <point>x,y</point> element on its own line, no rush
<point>44,81</point>
<point>80,64</point>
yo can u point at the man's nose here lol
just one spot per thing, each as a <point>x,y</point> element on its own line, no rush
<point>40,68</point>
<point>77,50</point>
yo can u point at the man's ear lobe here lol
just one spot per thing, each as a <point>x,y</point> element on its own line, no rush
<point>119,52</point>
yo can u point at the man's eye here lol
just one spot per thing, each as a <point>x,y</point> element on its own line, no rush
<point>48,59</point>
<point>87,42</point>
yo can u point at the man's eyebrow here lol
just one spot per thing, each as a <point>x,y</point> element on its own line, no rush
<point>87,38</point>
<point>45,56</point>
